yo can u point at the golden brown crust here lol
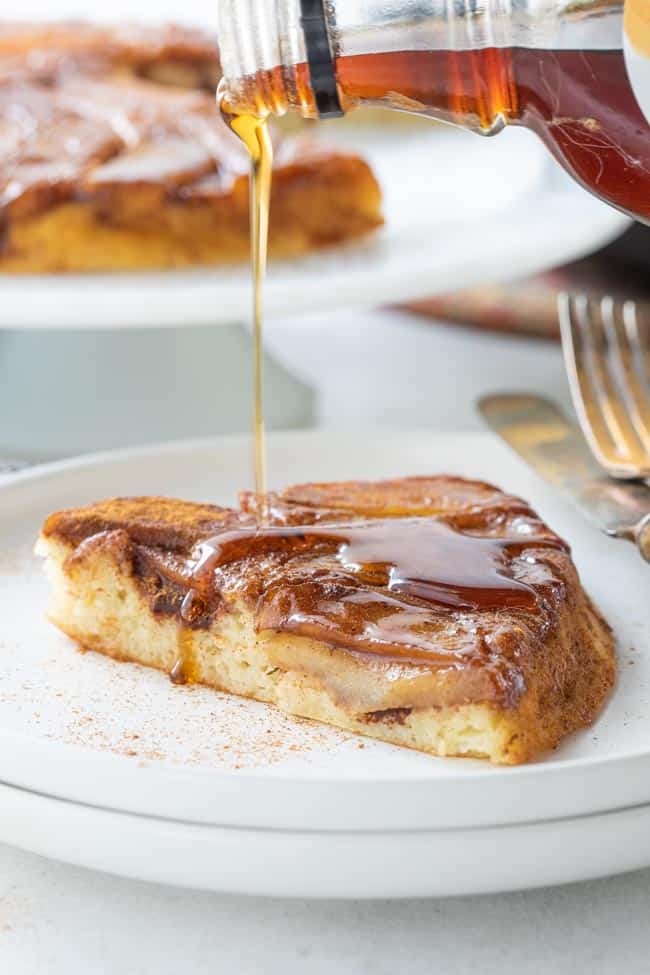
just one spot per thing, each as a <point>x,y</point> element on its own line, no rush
<point>501,655</point>
<point>461,502</point>
<point>398,496</point>
<point>102,167</point>
<point>164,523</point>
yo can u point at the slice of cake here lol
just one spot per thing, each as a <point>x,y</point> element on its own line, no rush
<point>435,613</point>
<point>113,156</point>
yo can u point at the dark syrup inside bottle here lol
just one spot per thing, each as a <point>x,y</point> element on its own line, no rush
<point>580,103</point>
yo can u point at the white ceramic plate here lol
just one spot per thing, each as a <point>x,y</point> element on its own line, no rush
<point>283,863</point>
<point>459,210</point>
<point>87,729</point>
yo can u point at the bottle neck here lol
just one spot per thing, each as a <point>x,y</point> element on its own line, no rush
<point>267,51</point>
<point>264,57</point>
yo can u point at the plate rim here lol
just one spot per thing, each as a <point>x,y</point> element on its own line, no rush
<point>348,865</point>
<point>626,765</point>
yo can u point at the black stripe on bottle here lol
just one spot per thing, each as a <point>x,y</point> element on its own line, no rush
<point>319,58</point>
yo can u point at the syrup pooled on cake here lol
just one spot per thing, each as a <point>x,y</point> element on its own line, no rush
<point>428,562</point>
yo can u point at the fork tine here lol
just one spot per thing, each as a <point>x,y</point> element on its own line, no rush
<point>597,346</point>
<point>621,328</point>
<point>638,336</point>
<point>572,310</point>
<point>598,399</point>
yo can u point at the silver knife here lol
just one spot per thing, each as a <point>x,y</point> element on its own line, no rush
<point>540,433</point>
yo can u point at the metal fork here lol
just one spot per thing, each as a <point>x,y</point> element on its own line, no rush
<point>607,356</point>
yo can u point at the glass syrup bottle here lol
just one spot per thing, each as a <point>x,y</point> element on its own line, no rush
<point>577,72</point>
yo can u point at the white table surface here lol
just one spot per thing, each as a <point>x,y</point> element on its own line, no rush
<point>391,369</point>
<point>56,919</point>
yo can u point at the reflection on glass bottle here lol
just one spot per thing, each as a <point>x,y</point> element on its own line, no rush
<point>555,66</point>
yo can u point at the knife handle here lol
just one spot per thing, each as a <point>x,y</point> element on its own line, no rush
<point>639,534</point>
<point>642,537</point>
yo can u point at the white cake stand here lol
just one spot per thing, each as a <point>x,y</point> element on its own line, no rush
<point>80,371</point>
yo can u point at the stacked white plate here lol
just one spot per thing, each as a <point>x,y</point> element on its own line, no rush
<point>108,765</point>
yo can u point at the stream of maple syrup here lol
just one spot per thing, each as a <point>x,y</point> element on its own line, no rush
<point>401,563</point>
<point>254,133</point>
